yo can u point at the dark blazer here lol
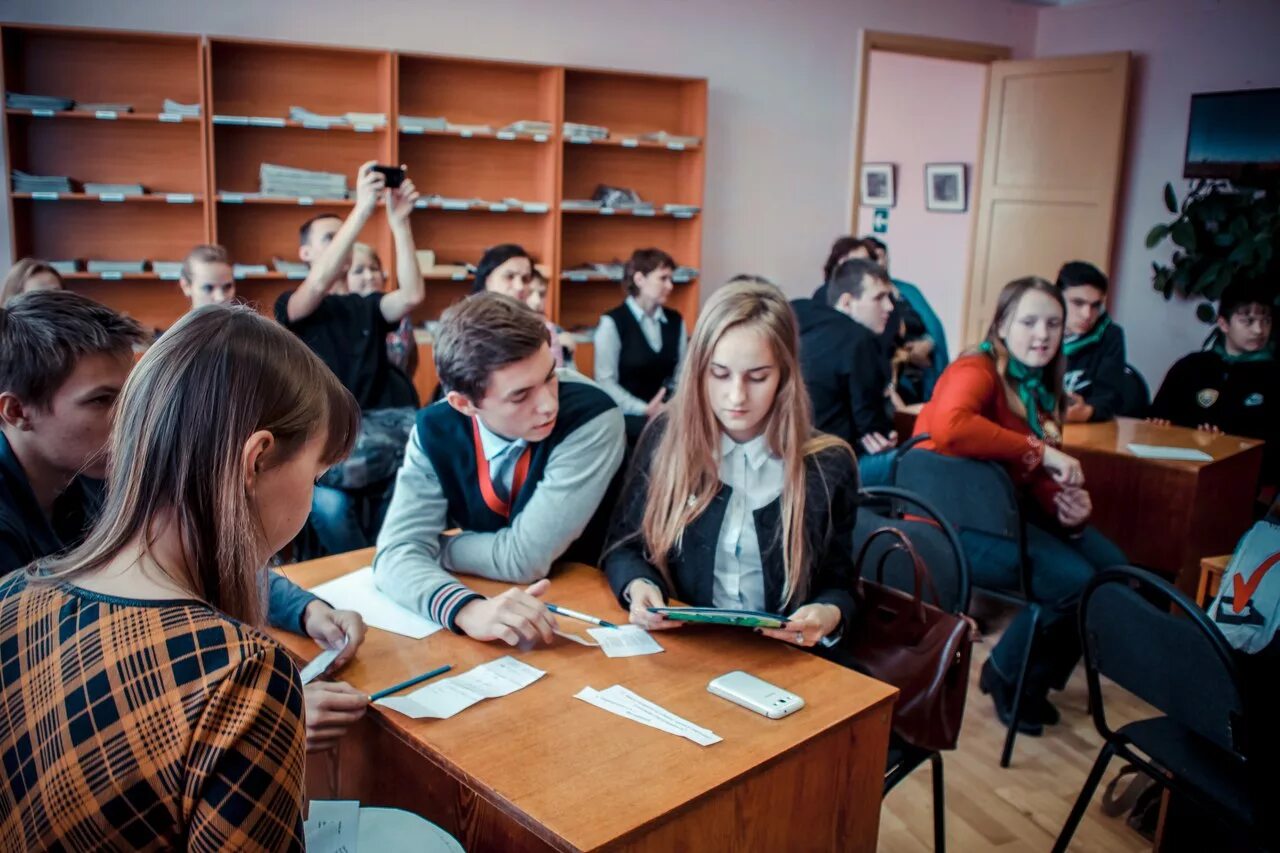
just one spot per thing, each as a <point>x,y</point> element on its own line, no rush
<point>830,510</point>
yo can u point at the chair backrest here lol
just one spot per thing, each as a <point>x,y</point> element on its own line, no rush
<point>972,494</point>
<point>1178,662</point>
<point>1135,396</point>
<point>934,539</point>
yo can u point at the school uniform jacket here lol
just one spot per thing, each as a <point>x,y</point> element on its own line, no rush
<point>1096,373</point>
<point>830,511</point>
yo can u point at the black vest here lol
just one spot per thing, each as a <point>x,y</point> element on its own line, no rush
<point>641,371</point>
<point>447,437</point>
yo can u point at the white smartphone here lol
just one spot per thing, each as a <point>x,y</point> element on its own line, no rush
<point>755,694</point>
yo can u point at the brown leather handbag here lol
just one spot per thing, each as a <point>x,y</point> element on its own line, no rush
<point>917,647</point>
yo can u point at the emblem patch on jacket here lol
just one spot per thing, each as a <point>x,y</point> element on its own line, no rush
<point>1254,399</point>
<point>1206,397</point>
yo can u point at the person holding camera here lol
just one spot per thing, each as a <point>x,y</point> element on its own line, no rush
<point>348,331</point>
<point>640,345</point>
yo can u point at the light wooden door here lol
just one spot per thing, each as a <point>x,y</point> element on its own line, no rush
<point>1050,174</point>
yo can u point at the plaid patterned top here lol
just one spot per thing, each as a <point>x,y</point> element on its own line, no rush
<point>143,725</point>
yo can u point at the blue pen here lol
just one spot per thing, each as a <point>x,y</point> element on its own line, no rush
<point>573,614</point>
<point>412,681</point>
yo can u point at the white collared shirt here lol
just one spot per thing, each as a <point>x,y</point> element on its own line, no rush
<point>501,454</point>
<point>608,352</point>
<point>756,476</point>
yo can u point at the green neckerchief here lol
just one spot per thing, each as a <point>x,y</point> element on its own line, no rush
<point>1029,383</point>
<point>1264,354</point>
<point>1074,345</point>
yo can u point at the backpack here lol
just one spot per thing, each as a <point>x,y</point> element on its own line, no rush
<point>378,451</point>
<point>1247,606</point>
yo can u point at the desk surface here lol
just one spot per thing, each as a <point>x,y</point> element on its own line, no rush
<point>575,774</point>
<point>1115,437</point>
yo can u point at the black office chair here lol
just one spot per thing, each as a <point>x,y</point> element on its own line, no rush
<point>938,545</point>
<point>1135,395</point>
<point>1180,663</point>
<point>978,496</point>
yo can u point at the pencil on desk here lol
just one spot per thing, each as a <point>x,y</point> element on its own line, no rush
<point>573,614</point>
<point>412,681</point>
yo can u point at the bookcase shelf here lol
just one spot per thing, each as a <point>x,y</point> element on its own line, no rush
<point>196,168</point>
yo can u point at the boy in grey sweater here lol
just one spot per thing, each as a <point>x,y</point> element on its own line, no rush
<point>513,470</point>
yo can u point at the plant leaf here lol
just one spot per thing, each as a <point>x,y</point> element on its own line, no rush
<point>1156,234</point>
<point>1170,200</point>
<point>1184,234</point>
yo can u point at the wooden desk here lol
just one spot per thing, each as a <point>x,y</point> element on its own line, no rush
<point>540,770</point>
<point>1211,571</point>
<point>1166,515</point>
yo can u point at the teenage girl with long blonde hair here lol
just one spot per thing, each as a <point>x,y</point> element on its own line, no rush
<point>732,499</point>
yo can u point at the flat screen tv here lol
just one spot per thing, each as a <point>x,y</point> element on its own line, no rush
<point>1234,135</point>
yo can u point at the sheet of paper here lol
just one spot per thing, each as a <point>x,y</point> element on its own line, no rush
<point>321,662</point>
<point>575,638</point>
<point>443,699</point>
<point>625,641</point>
<point>357,592</point>
<point>332,826</point>
<point>1179,454</point>
<point>625,703</point>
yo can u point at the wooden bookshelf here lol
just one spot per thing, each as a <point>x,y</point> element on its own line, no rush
<point>202,173</point>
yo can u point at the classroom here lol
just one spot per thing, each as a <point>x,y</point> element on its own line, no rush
<point>827,425</point>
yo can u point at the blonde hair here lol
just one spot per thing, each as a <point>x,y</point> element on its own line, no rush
<point>685,470</point>
<point>219,375</point>
<point>22,272</point>
<point>1006,305</point>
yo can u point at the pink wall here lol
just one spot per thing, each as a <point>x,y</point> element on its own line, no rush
<point>919,111</point>
<point>781,81</point>
<point>1181,47</point>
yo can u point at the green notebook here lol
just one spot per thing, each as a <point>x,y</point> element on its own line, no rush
<point>721,616</point>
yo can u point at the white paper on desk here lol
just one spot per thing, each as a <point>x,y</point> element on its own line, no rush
<point>320,663</point>
<point>1178,454</point>
<point>625,641</point>
<point>332,826</point>
<point>356,591</point>
<point>443,699</point>
<point>625,703</point>
<point>575,638</point>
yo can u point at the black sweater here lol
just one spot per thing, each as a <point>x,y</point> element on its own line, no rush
<point>1096,373</point>
<point>1241,398</point>
<point>830,511</point>
<point>845,372</point>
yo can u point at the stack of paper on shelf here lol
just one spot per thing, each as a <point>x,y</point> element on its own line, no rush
<point>289,182</point>
<point>670,138</point>
<point>242,270</point>
<point>103,108</point>
<point>455,127</point>
<point>684,274</point>
<point>19,101</point>
<point>587,131</point>
<point>67,267</point>
<point>681,208</point>
<point>375,119</point>
<point>117,266</point>
<point>307,117</point>
<point>426,260</point>
<point>115,189</point>
<point>26,183</point>
<point>423,122</point>
<point>529,126</point>
<point>292,269</point>
<point>167,269</point>
<point>185,110</point>
<point>581,204</point>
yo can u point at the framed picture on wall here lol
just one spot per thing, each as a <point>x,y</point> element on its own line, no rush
<point>945,188</point>
<point>878,186</point>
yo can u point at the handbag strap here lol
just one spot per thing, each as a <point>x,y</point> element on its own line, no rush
<point>903,543</point>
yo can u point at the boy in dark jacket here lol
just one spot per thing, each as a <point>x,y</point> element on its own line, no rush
<point>1094,347</point>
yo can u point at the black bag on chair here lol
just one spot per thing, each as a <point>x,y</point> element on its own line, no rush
<point>920,649</point>
<point>378,451</point>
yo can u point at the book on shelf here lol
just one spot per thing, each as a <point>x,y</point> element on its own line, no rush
<point>289,182</point>
<point>81,107</point>
<point>375,119</point>
<point>575,130</point>
<point>293,269</point>
<point>683,274</point>
<point>304,115</point>
<point>455,127</point>
<point>450,270</point>
<point>167,269</point>
<point>24,182</point>
<point>681,208</point>
<point>53,103</point>
<point>99,266</point>
<point>173,107</point>
<point>423,123</point>
<point>115,189</point>
<point>664,138</point>
<point>529,127</point>
<point>67,267</point>
<point>581,204</point>
<point>242,270</point>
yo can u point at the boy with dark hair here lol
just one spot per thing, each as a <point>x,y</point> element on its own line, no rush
<point>925,341</point>
<point>1093,345</point>
<point>518,457</point>
<point>844,366</point>
<point>1233,387</point>
<point>55,420</point>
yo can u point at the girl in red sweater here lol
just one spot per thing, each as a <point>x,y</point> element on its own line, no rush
<point>1004,401</point>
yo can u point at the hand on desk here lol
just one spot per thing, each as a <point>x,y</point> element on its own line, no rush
<point>517,616</point>
<point>331,708</point>
<point>642,596</point>
<point>328,626</point>
<point>1074,507</point>
<point>808,626</point>
<point>1078,411</point>
<point>1160,421</point>
<point>1216,430</point>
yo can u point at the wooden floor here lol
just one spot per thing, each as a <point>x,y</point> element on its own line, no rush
<point>1023,807</point>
